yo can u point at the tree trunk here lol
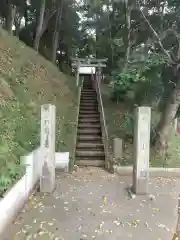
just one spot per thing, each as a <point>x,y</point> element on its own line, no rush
<point>39,25</point>
<point>97,36</point>
<point>17,23</point>
<point>46,21</point>
<point>55,40</point>
<point>128,33</point>
<point>10,18</point>
<point>26,14</point>
<point>167,117</point>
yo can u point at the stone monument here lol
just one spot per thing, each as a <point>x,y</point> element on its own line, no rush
<point>47,148</point>
<point>141,150</point>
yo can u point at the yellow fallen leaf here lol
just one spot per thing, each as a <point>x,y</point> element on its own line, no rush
<point>175,236</point>
<point>50,223</point>
<point>155,209</point>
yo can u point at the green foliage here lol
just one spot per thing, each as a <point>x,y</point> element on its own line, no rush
<point>128,123</point>
<point>19,134</point>
<point>122,83</point>
<point>138,77</point>
<point>26,84</point>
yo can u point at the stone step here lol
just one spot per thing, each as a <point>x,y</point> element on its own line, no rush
<point>90,145</point>
<point>85,90</point>
<point>88,108</point>
<point>89,104</point>
<point>89,125</point>
<point>94,138</point>
<point>86,149</point>
<point>92,163</point>
<point>92,92</point>
<point>94,99</point>
<point>88,111</point>
<point>89,120</point>
<point>88,115</point>
<point>87,154</point>
<point>88,87</point>
<point>88,91</point>
<point>88,96</point>
<point>89,131</point>
<point>89,101</point>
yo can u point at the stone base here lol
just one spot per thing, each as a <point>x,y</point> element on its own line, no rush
<point>141,187</point>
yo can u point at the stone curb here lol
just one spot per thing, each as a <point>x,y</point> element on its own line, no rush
<point>153,171</point>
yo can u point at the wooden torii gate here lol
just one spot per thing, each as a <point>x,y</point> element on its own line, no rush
<point>88,62</point>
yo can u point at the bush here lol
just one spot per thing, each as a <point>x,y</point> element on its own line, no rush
<point>143,79</point>
<point>122,84</point>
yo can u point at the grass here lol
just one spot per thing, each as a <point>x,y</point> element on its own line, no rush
<point>120,124</point>
<point>28,81</point>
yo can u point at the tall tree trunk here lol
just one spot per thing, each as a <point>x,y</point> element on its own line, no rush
<point>39,25</point>
<point>97,36</point>
<point>55,40</point>
<point>127,10</point>
<point>26,13</point>
<point>17,23</point>
<point>167,117</point>
<point>46,21</point>
<point>10,17</point>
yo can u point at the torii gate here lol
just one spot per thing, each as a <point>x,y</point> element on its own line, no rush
<point>88,62</point>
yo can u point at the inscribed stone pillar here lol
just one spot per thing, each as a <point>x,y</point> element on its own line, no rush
<point>175,124</point>
<point>141,150</point>
<point>48,122</point>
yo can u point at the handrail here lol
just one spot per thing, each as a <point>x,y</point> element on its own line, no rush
<point>103,121</point>
<point>79,88</point>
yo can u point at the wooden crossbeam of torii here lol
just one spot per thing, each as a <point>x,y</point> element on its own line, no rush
<point>88,65</point>
<point>88,62</point>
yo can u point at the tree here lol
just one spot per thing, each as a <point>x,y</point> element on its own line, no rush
<point>55,41</point>
<point>173,56</point>
<point>39,24</point>
<point>11,12</point>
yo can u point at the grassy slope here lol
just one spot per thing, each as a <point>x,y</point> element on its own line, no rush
<point>119,119</point>
<point>28,81</point>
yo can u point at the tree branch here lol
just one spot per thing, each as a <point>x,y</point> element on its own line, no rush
<point>156,35</point>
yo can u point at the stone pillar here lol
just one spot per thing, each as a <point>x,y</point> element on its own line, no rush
<point>175,124</point>
<point>99,74</point>
<point>77,76</point>
<point>117,149</point>
<point>47,148</point>
<point>141,150</point>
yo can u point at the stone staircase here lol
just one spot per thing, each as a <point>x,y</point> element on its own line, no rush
<point>89,146</point>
